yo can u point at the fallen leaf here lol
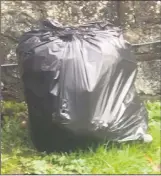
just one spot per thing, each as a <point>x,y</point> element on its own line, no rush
<point>149,159</point>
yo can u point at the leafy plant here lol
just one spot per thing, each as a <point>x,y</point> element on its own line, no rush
<point>19,156</point>
<point>154,110</point>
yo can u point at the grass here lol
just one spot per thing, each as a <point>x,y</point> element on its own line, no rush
<point>19,157</point>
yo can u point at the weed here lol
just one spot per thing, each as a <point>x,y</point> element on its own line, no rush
<point>19,156</point>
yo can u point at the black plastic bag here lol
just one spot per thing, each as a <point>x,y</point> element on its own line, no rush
<point>79,81</point>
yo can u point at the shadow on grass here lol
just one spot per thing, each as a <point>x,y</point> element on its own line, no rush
<point>86,144</point>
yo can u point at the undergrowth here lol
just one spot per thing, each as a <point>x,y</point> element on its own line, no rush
<point>18,155</point>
